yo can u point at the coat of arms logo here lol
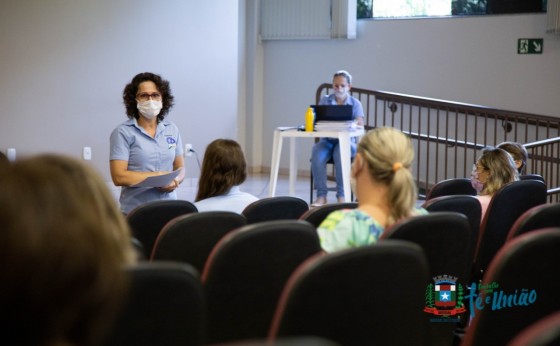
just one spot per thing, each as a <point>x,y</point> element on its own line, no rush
<point>444,297</point>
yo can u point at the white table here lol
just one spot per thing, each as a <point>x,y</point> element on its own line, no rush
<point>281,133</point>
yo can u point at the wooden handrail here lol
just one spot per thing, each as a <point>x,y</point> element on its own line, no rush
<point>448,135</point>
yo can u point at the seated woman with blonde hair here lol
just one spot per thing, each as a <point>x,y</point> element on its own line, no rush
<point>384,186</point>
<point>493,169</point>
<point>64,246</point>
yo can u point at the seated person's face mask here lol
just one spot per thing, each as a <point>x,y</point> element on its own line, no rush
<point>476,184</point>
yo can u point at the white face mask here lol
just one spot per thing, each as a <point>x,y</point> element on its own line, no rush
<point>476,184</point>
<point>341,93</point>
<point>149,109</point>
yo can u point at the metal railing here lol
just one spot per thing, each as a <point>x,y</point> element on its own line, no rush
<point>448,136</point>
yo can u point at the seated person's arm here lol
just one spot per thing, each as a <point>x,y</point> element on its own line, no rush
<point>358,113</point>
<point>360,121</point>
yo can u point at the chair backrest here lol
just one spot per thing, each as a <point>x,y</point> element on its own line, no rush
<point>505,207</point>
<point>190,238</point>
<point>532,176</point>
<point>246,272</point>
<point>464,204</point>
<point>541,216</point>
<point>525,284</point>
<point>445,239</point>
<point>544,332</point>
<point>147,220</point>
<point>275,208</point>
<point>316,215</point>
<point>164,306</point>
<point>454,186</point>
<point>442,235</point>
<point>370,295</point>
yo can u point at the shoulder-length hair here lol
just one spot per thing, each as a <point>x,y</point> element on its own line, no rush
<point>501,169</point>
<point>131,89</point>
<point>223,166</point>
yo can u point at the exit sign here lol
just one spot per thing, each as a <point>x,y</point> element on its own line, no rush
<point>530,46</point>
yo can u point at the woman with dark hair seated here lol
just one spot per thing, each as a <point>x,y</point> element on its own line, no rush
<point>518,152</point>
<point>223,170</point>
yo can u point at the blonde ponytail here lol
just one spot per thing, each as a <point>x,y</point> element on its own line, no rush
<point>389,154</point>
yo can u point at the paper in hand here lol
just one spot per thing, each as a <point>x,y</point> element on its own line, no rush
<point>159,180</point>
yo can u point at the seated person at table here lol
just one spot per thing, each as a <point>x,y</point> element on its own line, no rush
<point>493,169</point>
<point>223,170</point>
<point>327,148</point>
<point>65,244</point>
<point>384,186</point>
<point>518,152</point>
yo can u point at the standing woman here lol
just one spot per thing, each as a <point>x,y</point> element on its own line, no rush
<point>147,144</point>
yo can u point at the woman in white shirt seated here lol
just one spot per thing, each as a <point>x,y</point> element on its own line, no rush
<point>223,169</point>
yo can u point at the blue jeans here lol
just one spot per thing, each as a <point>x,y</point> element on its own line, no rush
<point>322,152</point>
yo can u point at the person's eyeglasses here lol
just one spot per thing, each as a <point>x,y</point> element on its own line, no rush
<point>146,96</point>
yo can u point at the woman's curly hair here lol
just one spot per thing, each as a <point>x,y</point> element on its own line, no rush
<point>130,90</point>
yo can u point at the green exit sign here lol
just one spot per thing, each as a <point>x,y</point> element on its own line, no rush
<point>530,46</point>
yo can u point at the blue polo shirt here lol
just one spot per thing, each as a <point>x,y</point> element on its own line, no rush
<point>144,153</point>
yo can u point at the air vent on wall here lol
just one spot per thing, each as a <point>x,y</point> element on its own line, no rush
<point>307,19</point>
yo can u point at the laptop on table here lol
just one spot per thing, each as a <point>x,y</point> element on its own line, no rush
<point>333,113</point>
<point>334,118</point>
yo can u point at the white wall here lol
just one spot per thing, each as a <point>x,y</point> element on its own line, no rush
<point>472,60</point>
<point>64,64</point>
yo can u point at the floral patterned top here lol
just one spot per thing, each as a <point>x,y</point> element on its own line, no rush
<point>347,228</point>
